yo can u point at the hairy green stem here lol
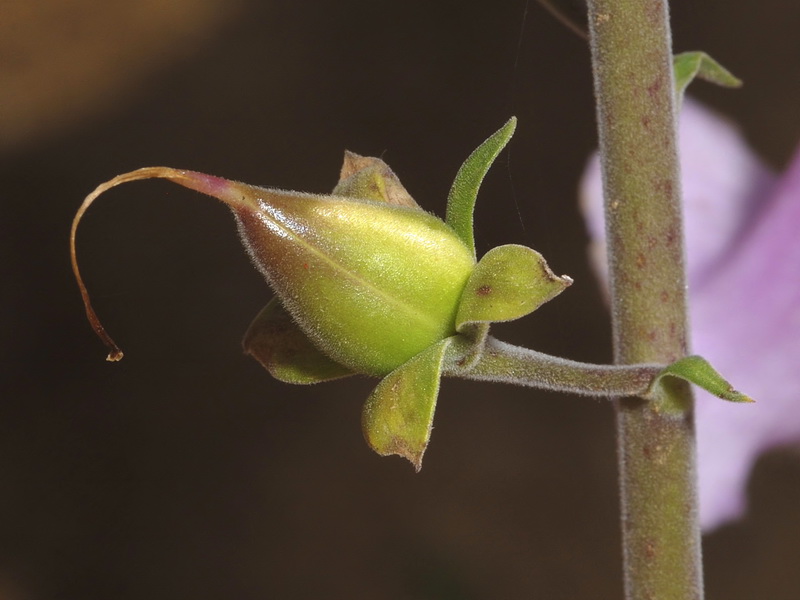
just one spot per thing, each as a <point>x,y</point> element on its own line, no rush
<point>632,65</point>
<point>504,363</point>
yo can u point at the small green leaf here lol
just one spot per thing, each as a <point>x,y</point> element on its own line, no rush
<point>398,415</point>
<point>697,370</point>
<point>509,282</point>
<point>275,341</point>
<point>464,191</point>
<point>689,65</point>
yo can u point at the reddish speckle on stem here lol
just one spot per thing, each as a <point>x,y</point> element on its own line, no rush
<point>654,87</point>
<point>305,266</point>
<point>650,550</point>
<point>484,290</point>
<point>665,186</point>
<point>665,296</point>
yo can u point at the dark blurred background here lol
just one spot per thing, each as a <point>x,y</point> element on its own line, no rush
<point>185,471</point>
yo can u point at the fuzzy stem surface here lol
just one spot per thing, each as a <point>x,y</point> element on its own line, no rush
<point>505,363</point>
<point>632,66</point>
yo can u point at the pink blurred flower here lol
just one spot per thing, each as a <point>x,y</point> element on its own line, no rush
<point>742,230</point>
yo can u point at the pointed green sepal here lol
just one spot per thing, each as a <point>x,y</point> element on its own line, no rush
<point>398,415</point>
<point>697,370</point>
<point>369,178</point>
<point>689,65</point>
<point>509,282</point>
<point>275,341</point>
<point>464,191</point>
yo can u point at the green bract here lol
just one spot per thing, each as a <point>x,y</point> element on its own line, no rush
<point>367,282</point>
<point>687,66</point>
